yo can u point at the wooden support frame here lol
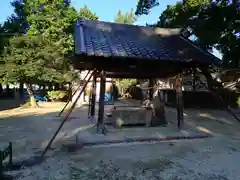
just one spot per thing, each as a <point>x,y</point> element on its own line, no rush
<point>194,80</point>
<point>93,95</point>
<point>151,90</point>
<point>100,123</point>
<point>65,118</point>
<point>179,100</point>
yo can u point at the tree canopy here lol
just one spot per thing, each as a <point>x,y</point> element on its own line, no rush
<point>144,6</point>
<point>85,13</point>
<point>213,23</point>
<point>47,24</point>
<point>127,18</point>
<point>38,41</point>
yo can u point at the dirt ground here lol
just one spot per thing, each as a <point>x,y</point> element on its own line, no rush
<point>212,158</point>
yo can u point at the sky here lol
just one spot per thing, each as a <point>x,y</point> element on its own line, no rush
<point>105,9</point>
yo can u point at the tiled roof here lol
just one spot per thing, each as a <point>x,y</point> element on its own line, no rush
<point>96,38</point>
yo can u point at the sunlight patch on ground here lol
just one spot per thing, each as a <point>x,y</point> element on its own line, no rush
<point>205,115</point>
<point>76,131</point>
<point>67,134</point>
<point>44,109</point>
<point>219,119</point>
<point>203,129</point>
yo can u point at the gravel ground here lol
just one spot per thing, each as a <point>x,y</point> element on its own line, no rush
<point>213,158</point>
<point>181,160</point>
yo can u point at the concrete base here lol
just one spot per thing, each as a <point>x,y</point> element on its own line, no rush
<point>114,136</point>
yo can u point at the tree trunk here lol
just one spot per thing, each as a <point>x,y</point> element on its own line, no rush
<point>8,90</point>
<point>84,96</point>
<point>50,87</point>
<point>21,90</point>
<point>31,96</point>
<point>1,88</point>
<point>210,81</point>
<point>56,87</point>
<point>70,91</point>
<point>44,89</point>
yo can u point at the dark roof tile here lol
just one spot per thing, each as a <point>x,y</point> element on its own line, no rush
<point>96,38</point>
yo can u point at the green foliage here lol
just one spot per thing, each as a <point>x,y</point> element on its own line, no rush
<point>125,83</point>
<point>144,6</point>
<point>21,61</point>
<point>89,91</point>
<point>37,42</point>
<point>2,43</point>
<point>26,60</point>
<point>85,13</point>
<point>2,38</point>
<point>57,95</point>
<point>54,20</point>
<point>238,101</point>
<point>44,53</point>
<point>127,18</point>
<point>214,23</point>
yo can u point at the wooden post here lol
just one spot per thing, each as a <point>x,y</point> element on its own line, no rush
<point>151,91</point>
<point>70,91</point>
<point>194,80</point>
<point>84,96</point>
<point>1,88</point>
<point>93,98</point>
<point>1,163</point>
<point>179,100</point>
<point>21,90</point>
<point>100,124</point>
<point>10,154</point>
<point>65,118</point>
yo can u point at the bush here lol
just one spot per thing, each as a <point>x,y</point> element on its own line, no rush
<point>57,95</point>
<point>125,83</point>
<point>238,101</point>
<point>88,91</point>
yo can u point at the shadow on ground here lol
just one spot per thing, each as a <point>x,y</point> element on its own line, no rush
<point>31,133</point>
<point>10,103</point>
<point>215,122</point>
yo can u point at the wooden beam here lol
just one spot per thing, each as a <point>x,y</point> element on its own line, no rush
<point>179,100</point>
<point>151,84</point>
<point>93,95</point>
<point>131,66</point>
<point>194,80</point>
<point>100,124</point>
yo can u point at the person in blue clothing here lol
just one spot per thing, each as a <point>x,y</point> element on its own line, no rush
<point>112,95</point>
